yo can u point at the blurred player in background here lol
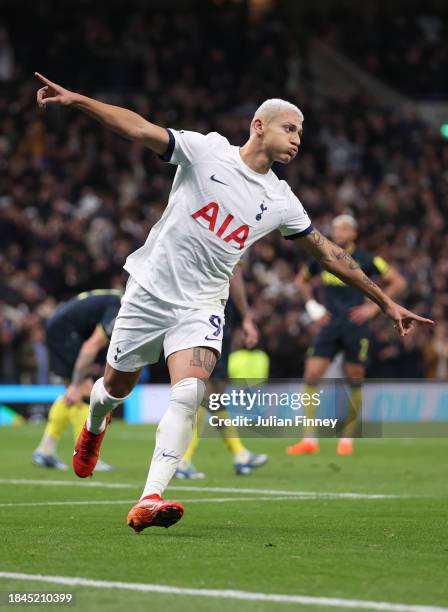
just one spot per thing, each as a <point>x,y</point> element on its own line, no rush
<point>243,460</point>
<point>224,198</point>
<point>344,317</point>
<point>77,332</point>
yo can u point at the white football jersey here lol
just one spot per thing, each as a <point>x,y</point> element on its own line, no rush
<point>218,207</point>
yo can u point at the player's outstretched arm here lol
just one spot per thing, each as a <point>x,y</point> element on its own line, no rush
<point>394,285</point>
<point>341,264</point>
<point>120,120</point>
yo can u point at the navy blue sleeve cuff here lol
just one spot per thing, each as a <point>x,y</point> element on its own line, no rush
<point>306,231</point>
<point>169,152</point>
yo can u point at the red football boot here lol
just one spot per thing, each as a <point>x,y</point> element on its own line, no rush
<point>87,450</point>
<point>304,447</point>
<point>345,447</point>
<point>152,511</point>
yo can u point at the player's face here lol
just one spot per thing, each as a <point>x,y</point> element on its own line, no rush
<point>282,136</point>
<point>343,234</point>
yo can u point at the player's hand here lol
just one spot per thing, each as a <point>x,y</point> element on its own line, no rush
<point>73,395</point>
<point>53,94</point>
<point>364,312</point>
<point>324,319</point>
<point>317,312</point>
<point>250,331</point>
<point>403,318</point>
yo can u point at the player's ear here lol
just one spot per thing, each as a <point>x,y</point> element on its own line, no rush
<point>257,126</point>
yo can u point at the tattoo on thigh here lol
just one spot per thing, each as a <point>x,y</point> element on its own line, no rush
<point>196,361</point>
<point>209,360</point>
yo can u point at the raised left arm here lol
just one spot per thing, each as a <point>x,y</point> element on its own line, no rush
<point>341,264</point>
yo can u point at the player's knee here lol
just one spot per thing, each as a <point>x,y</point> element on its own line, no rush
<point>116,389</point>
<point>315,368</point>
<point>117,386</point>
<point>311,375</point>
<point>354,374</point>
<point>188,394</point>
<point>185,399</point>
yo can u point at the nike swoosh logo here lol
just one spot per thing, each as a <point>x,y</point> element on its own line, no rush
<point>216,339</point>
<point>217,180</point>
<point>75,453</point>
<point>149,507</point>
<point>168,455</point>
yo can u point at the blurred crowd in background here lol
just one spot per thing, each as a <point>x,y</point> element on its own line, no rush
<point>75,199</point>
<point>407,48</point>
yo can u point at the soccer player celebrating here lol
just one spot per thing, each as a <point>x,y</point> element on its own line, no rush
<point>76,333</point>
<point>243,460</point>
<point>223,199</point>
<point>344,316</point>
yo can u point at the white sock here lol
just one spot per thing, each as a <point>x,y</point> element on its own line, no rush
<point>47,445</point>
<point>310,439</point>
<point>174,434</point>
<point>242,457</point>
<point>184,465</point>
<point>101,403</point>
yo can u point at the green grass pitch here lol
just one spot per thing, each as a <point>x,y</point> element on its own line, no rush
<point>392,549</point>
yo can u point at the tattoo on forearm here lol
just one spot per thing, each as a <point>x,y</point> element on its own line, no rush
<point>369,282</point>
<point>342,255</point>
<point>329,251</point>
<point>317,238</point>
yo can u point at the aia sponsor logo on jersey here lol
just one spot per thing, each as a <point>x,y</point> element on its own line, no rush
<point>224,228</point>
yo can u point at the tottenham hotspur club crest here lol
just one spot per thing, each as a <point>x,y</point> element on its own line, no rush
<point>260,214</point>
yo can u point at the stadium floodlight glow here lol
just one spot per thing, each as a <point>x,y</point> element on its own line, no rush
<point>444,130</point>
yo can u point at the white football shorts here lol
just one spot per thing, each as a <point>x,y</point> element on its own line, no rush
<point>145,324</point>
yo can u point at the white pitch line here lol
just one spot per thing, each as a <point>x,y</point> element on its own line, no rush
<point>336,602</point>
<point>205,500</point>
<point>69,483</point>
<point>274,492</point>
<point>313,494</point>
<point>68,503</point>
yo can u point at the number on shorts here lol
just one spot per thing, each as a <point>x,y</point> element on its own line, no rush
<point>216,323</point>
<point>364,349</point>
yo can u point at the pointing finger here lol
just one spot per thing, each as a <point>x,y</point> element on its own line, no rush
<point>44,79</point>
<point>423,320</point>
